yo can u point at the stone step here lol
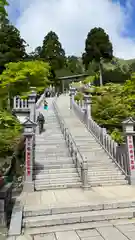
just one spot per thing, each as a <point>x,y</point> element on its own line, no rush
<point>52,129</point>
<point>51,150</point>
<point>97,168</point>
<point>52,137</point>
<point>106,172</point>
<point>54,166</point>
<point>99,164</point>
<point>88,147</point>
<point>43,210</point>
<point>42,187</point>
<point>63,228</point>
<point>57,180</point>
<point>78,217</point>
<point>108,177</point>
<point>108,183</point>
<point>53,159</point>
<point>55,171</point>
<point>56,176</point>
<point>99,161</point>
<point>83,227</point>
<point>94,154</point>
<point>57,161</point>
<point>85,141</point>
<point>60,158</point>
<point>46,144</point>
<point>49,155</point>
<point>42,136</point>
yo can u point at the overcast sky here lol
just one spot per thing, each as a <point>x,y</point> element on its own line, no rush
<point>73,19</point>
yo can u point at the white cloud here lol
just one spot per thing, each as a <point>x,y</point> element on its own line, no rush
<point>72,20</point>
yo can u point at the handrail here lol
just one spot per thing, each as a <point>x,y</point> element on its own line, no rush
<point>68,130</point>
<point>104,139</point>
<point>40,100</point>
<point>83,165</point>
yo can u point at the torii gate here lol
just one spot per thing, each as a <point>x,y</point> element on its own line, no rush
<point>75,78</point>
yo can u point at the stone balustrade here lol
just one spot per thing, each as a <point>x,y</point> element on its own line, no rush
<point>20,103</point>
<point>119,154</point>
<point>79,160</point>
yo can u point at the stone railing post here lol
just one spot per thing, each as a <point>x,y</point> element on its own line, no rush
<point>32,104</point>
<point>72,93</point>
<point>84,174</point>
<point>87,100</point>
<point>128,127</point>
<point>29,134</point>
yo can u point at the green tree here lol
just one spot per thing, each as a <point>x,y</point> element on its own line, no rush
<point>53,52</point>
<point>12,46</point>
<point>35,55</point>
<point>3,12</point>
<point>97,47</point>
<point>19,77</point>
<point>113,103</point>
<point>9,133</point>
<point>74,64</point>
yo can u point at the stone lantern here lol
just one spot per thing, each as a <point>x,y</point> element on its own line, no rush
<point>29,129</point>
<point>72,93</point>
<point>128,127</point>
<point>88,101</point>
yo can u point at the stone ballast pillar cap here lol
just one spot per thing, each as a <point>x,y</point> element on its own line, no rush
<point>129,121</point>
<point>87,99</point>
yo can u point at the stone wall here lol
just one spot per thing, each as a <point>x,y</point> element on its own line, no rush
<point>5,202</point>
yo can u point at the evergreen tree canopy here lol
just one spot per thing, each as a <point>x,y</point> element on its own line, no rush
<point>97,46</point>
<point>3,12</point>
<point>12,46</point>
<point>74,65</point>
<point>52,51</point>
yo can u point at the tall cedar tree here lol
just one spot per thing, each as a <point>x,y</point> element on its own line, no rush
<point>3,12</point>
<point>97,46</point>
<point>12,46</point>
<point>52,51</point>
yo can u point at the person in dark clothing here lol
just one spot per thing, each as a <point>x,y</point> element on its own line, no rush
<point>41,121</point>
<point>45,105</point>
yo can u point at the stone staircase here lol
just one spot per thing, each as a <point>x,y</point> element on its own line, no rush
<point>101,169</point>
<point>39,221</point>
<point>53,167</point>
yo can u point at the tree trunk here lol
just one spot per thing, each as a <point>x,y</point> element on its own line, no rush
<point>100,71</point>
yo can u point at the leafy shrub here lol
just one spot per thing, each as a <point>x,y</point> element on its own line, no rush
<point>10,130</point>
<point>78,96</point>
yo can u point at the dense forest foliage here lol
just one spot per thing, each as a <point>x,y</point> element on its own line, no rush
<point>40,68</point>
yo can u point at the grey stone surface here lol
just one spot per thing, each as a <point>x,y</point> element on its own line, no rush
<point>16,221</point>
<point>50,236</point>
<point>78,217</point>
<point>93,238</point>
<point>5,200</point>
<point>111,233</point>
<point>54,168</point>
<point>128,230</point>
<point>87,233</point>
<point>68,227</point>
<point>71,235</point>
<point>98,161</point>
<point>11,238</point>
<point>54,156</point>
